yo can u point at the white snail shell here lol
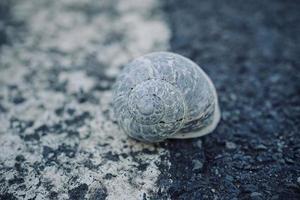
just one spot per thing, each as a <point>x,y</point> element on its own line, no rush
<point>165,95</point>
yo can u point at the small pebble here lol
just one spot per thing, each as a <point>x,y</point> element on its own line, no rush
<point>177,154</point>
<point>288,160</point>
<point>260,147</point>
<point>197,164</point>
<point>249,188</point>
<point>230,145</point>
<point>255,194</point>
<point>199,144</point>
<point>275,197</point>
<point>229,178</point>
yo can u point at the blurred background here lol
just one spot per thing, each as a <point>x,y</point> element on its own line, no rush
<point>59,60</point>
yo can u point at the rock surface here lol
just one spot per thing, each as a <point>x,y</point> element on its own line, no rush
<point>250,50</point>
<point>59,140</point>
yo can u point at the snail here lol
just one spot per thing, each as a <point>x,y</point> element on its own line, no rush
<point>164,95</point>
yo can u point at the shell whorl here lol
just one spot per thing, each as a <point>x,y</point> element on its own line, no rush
<point>161,94</point>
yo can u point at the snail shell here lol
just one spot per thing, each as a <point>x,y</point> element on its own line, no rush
<point>164,95</point>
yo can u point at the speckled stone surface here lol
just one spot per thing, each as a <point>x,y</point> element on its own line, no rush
<point>59,59</point>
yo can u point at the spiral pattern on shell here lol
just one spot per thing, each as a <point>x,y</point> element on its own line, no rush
<point>164,95</point>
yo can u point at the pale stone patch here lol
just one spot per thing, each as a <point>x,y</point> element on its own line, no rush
<point>58,42</point>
